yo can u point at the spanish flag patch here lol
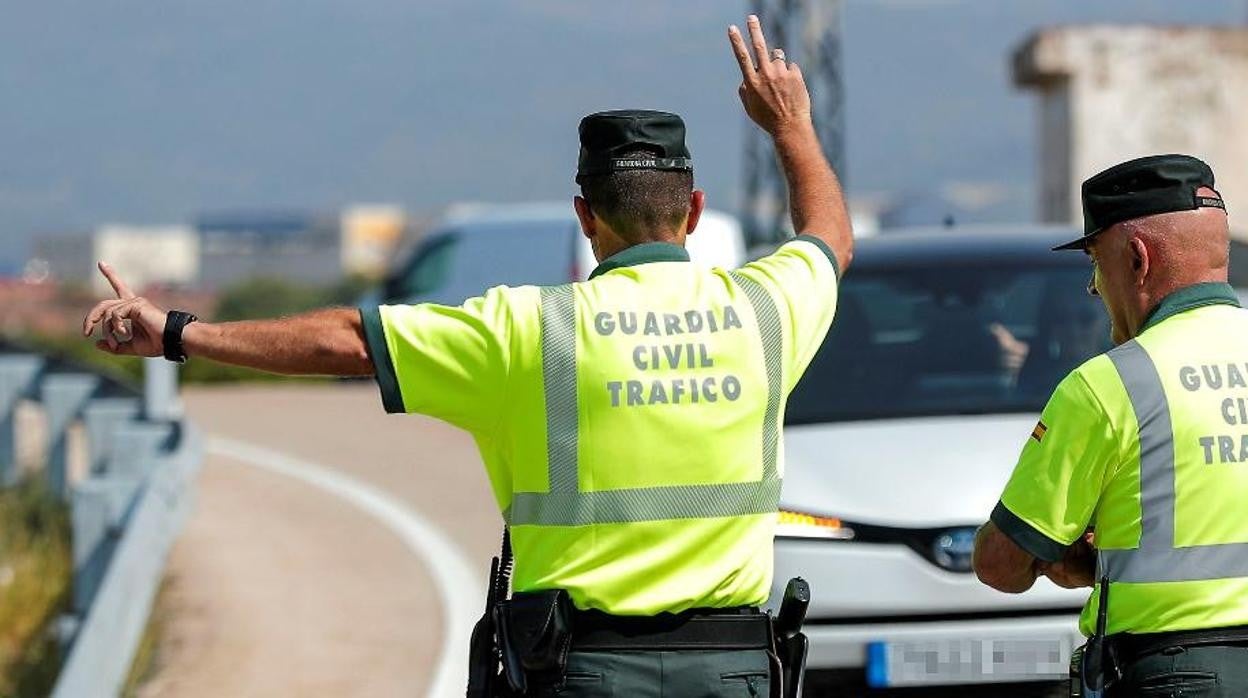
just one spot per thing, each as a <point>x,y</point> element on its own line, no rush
<point>1039,431</point>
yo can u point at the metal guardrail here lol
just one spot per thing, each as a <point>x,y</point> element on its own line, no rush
<point>140,460</point>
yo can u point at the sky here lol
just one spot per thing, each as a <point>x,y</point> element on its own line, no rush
<point>144,112</point>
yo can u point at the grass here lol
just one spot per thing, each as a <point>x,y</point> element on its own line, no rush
<point>146,659</point>
<point>35,571</point>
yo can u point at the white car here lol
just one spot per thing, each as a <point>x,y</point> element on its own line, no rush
<point>899,440</point>
<point>478,246</point>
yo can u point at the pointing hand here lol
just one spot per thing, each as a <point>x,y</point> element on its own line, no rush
<point>132,326</point>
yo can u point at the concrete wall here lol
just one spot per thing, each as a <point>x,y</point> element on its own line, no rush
<point>1111,93</point>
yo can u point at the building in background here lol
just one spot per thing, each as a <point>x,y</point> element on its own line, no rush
<point>299,247</point>
<point>144,255</point>
<point>221,249</point>
<point>369,238</point>
<point>1111,93</point>
<point>148,255</point>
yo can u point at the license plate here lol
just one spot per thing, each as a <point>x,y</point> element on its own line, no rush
<point>944,662</point>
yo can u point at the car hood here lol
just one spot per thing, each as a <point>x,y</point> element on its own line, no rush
<point>914,473</point>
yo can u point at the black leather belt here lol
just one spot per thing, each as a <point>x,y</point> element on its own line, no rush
<point>709,629</point>
<point>1130,646</point>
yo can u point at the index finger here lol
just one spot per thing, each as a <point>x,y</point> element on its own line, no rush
<point>759,41</point>
<point>119,286</point>
<point>741,52</point>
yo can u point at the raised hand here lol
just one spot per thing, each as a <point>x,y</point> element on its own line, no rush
<point>773,91</point>
<point>132,325</point>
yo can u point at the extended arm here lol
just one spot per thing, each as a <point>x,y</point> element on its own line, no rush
<point>775,97</point>
<point>320,342</point>
<point>328,342</point>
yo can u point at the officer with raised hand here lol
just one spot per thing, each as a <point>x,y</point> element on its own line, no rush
<point>629,424</point>
<point>1146,444</point>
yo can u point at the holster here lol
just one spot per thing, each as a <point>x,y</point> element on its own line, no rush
<point>792,646</point>
<point>535,632</point>
<point>792,653</point>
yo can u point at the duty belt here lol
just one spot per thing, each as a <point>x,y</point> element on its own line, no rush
<point>703,629</point>
<point>1128,647</point>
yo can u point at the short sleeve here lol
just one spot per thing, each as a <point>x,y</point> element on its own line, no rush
<point>802,278</point>
<point>1054,490</point>
<point>449,362</point>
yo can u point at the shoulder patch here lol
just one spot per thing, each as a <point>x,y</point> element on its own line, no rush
<point>1039,432</point>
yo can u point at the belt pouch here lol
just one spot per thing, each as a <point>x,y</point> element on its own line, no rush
<point>536,629</point>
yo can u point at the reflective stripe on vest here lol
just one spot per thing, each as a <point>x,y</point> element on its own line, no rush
<point>566,505</point>
<point>1157,559</point>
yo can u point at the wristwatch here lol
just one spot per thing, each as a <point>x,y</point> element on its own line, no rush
<point>175,322</point>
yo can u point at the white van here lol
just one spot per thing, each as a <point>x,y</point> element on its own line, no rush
<point>476,247</point>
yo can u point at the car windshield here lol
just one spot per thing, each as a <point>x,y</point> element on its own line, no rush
<point>959,339</point>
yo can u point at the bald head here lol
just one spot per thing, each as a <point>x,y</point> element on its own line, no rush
<point>1142,260</point>
<point>1184,247</point>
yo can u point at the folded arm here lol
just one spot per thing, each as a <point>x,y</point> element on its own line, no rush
<point>1005,566</point>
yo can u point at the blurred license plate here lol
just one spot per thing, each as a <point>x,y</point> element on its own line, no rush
<point>967,661</point>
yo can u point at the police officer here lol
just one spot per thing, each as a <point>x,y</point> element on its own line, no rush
<point>1147,445</point>
<point>629,424</point>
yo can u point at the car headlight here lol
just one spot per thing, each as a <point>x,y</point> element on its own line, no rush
<point>795,524</point>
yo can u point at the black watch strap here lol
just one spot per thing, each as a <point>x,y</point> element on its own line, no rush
<point>175,322</point>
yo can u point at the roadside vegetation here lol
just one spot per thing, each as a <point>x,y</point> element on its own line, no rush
<point>146,656</point>
<point>35,571</point>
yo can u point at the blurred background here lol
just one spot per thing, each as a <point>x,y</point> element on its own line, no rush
<point>252,159</point>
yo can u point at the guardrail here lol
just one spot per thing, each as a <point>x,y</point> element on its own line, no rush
<point>137,458</point>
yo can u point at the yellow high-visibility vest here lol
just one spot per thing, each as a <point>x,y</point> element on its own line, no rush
<point>630,424</point>
<point>1148,443</point>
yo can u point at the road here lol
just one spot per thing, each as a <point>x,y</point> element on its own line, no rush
<point>278,587</point>
<point>281,588</point>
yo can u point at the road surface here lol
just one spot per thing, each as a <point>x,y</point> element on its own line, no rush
<point>281,588</point>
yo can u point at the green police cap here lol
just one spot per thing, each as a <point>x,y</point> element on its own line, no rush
<point>1143,187</point>
<point>607,135</point>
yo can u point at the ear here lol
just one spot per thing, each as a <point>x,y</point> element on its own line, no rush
<point>697,203</point>
<point>1139,260</point>
<point>589,224</point>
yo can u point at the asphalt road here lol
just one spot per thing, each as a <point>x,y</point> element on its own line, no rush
<point>280,588</point>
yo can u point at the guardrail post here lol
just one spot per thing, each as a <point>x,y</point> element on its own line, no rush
<point>64,395</point>
<point>99,508</point>
<point>135,449</point>
<point>160,390</point>
<point>102,418</point>
<point>17,377</point>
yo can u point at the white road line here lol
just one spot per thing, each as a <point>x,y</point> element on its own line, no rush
<point>460,589</point>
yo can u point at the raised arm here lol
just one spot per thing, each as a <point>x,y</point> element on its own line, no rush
<point>775,97</point>
<point>320,342</point>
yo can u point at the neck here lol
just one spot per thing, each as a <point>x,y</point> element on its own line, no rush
<point>1152,296</point>
<point>611,245</point>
